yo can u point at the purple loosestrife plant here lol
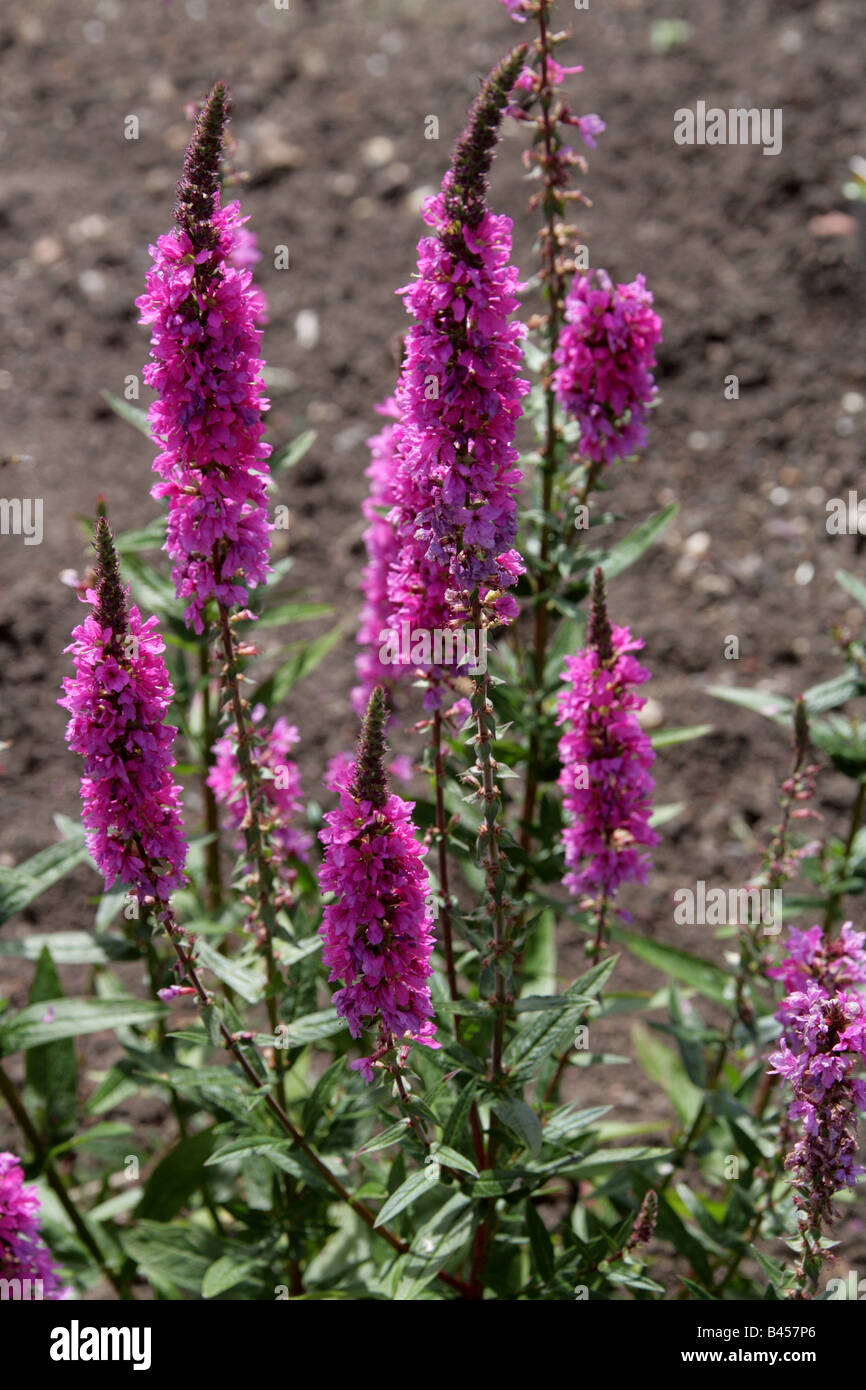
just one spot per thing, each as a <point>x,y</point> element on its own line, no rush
<point>606,759</point>
<point>378,933</point>
<point>604,359</point>
<point>206,369</point>
<point>117,701</point>
<point>24,1256</point>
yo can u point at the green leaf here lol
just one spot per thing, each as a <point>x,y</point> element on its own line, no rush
<point>704,976</point>
<point>566,1123</point>
<point>21,884</point>
<point>459,1113</point>
<point>852,585</point>
<point>394,1134</point>
<point>777,707</point>
<point>547,1033</point>
<point>617,1158</point>
<point>660,815</point>
<point>303,659</point>
<point>225,1273</point>
<point>423,1180</point>
<point>51,1070</point>
<point>176,1178</point>
<point>132,414</point>
<point>247,981</point>
<point>149,537</point>
<point>71,948</point>
<point>312,1027</point>
<point>151,589</point>
<point>450,1158</point>
<point>435,1242</point>
<point>292,453</point>
<point>294,613</point>
<point>626,551</point>
<point>53,1019</point>
<point>666,738</point>
<point>523,1122</point>
<point>539,1243</point>
<point>663,1066</point>
<point>178,1255</point>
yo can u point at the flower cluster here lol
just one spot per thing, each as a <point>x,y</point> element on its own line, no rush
<point>117,701</point>
<point>604,361</point>
<point>606,757</point>
<point>23,1252</point>
<point>378,931</point>
<point>823,1044</point>
<point>206,370</point>
<point>281,792</point>
<point>448,467</point>
<point>833,962</point>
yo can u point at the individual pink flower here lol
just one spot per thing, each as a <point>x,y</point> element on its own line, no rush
<point>206,370</point>
<point>605,358</point>
<point>117,701</point>
<point>282,799</point>
<point>515,9</point>
<point>378,931</point>
<point>606,757</point>
<point>24,1256</point>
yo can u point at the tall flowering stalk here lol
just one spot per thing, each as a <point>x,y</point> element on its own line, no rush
<point>539,102</point>
<point>206,369</point>
<point>117,700</point>
<point>823,1044</point>
<point>455,481</point>
<point>24,1256</point>
<point>378,932</point>
<point>606,759</point>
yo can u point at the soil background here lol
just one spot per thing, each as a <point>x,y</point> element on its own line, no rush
<point>754,263</point>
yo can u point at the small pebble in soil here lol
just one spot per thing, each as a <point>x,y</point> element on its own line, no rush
<point>378,151</point>
<point>307,329</point>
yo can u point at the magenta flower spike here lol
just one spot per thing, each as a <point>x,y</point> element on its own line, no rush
<point>23,1252</point>
<point>606,757</point>
<point>203,310</point>
<point>378,931</point>
<point>454,476</point>
<point>823,1044</point>
<point>605,358</point>
<point>117,701</point>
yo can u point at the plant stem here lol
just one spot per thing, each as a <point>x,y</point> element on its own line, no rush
<point>211,813</point>
<point>488,831</point>
<point>254,836</point>
<point>836,895</point>
<point>442,851</point>
<point>56,1183</point>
